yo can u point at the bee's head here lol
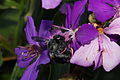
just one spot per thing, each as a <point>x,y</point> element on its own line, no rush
<point>59,37</point>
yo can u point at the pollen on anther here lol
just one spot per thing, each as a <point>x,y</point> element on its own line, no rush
<point>100,30</point>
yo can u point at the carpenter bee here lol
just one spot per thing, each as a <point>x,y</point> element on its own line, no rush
<point>58,48</point>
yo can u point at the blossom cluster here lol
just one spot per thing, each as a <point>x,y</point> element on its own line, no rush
<point>92,43</point>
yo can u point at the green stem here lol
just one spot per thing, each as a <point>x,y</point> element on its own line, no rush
<point>17,72</point>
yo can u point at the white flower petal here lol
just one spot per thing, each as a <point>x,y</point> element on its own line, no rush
<point>86,54</point>
<point>114,27</point>
<point>111,53</point>
<point>50,4</point>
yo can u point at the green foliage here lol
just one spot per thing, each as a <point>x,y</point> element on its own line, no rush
<point>58,70</point>
<point>1,59</point>
<point>17,73</point>
<point>13,16</point>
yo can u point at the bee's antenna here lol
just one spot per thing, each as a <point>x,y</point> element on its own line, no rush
<point>58,27</point>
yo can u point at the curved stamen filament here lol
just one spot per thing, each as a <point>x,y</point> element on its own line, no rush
<point>33,50</point>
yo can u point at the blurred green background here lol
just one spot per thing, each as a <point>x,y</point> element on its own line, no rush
<point>13,16</point>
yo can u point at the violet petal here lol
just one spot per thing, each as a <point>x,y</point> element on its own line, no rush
<point>86,33</point>
<point>75,45</point>
<point>68,16</point>
<point>44,28</point>
<point>101,10</point>
<point>77,10</point>
<point>112,2</point>
<point>98,60</point>
<point>32,71</point>
<point>114,37</point>
<point>22,61</point>
<point>50,4</point>
<point>44,58</point>
<point>30,30</point>
<point>74,13</point>
<point>63,8</point>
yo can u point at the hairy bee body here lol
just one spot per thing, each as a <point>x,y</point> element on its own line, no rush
<point>58,48</point>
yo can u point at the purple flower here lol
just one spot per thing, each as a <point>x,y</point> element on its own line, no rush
<point>79,34</point>
<point>34,51</point>
<point>101,50</point>
<point>105,9</point>
<point>50,4</point>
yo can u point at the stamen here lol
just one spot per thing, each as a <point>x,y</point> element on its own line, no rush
<point>72,32</point>
<point>95,25</point>
<point>101,31</point>
<point>32,50</point>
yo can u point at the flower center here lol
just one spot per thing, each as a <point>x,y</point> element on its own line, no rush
<point>100,30</point>
<point>32,50</point>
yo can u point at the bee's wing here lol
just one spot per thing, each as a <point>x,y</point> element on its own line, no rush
<point>39,39</point>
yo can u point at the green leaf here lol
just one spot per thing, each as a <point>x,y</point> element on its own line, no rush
<point>8,22</point>
<point>12,4</point>
<point>21,23</point>
<point>1,59</point>
<point>17,73</point>
<point>58,70</point>
<point>6,45</point>
<point>3,7</point>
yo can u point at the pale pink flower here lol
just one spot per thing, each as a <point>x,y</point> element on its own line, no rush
<point>101,50</point>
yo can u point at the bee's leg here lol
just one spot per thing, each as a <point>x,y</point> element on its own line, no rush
<point>71,49</point>
<point>64,50</point>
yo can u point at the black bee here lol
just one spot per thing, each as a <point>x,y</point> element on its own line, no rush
<point>58,48</point>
